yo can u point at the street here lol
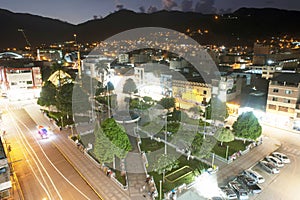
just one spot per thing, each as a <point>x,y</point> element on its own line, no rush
<point>42,171</point>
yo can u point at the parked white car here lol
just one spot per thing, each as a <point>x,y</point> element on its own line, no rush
<point>269,167</point>
<point>256,176</point>
<point>274,160</point>
<point>282,157</point>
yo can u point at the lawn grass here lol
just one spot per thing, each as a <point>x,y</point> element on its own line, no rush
<point>178,174</point>
<point>234,146</point>
<point>194,166</point>
<point>149,145</point>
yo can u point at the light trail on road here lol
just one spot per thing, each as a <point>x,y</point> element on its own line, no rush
<point>35,159</point>
<point>19,125</point>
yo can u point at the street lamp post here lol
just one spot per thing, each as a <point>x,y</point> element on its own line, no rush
<point>205,115</point>
<point>213,160</point>
<point>78,56</point>
<point>160,189</point>
<point>72,131</point>
<point>166,128</point>
<point>227,147</point>
<point>62,122</point>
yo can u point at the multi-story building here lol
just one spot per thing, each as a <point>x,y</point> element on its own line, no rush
<point>152,80</point>
<point>261,54</point>
<point>20,78</point>
<point>189,94</point>
<point>284,98</point>
<point>123,58</point>
<point>5,181</point>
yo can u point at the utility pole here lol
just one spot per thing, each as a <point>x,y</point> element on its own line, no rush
<point>26,39</point>
<point>78,56</point>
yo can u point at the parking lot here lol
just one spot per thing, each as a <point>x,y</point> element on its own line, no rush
<point>285,184</point>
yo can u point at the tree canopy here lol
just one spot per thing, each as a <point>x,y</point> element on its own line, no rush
<point>47,95</point>
<point>247,126</point>
<point>129,86</point>
<point>117,135</point>
<point>64,98</point>
<point>104,149</point>
<point>165,163</point>
<point>216,109</point>
<point>167,103</point>
<point>224,135</point>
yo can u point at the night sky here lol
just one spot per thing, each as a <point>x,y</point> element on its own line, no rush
<point>78,11</point>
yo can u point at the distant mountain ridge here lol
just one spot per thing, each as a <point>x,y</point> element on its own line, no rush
<point>243,26</point>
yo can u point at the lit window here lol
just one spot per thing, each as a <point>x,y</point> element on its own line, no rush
<point>288,92</point>
<point>286,101</point>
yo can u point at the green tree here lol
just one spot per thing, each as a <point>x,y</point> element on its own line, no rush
<point>99,89</point>
<point>167,103</point>
<point>247,126</point>
<point>64,99</point>
<point>148,100</point>
<point>129,86</point>
<point>165,163</point>
<point>117,135</point>
<point>179,115</point>
<point>224,135</point>
<point>197,143</point>
<point>104,150</point>
<point>216,110</point>
<point>47,95</point>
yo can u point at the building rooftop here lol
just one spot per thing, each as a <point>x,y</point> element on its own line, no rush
<point>287,78</point>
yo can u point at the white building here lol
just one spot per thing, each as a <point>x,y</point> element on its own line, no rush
<point>148,78</point>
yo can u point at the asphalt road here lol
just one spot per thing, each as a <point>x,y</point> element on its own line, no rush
<point>42,171</point>
<point>286,184</point>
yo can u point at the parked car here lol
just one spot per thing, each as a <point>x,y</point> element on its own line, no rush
<point>274,160</point>
<point>228,193</point>
<point>249,183</point>
<point>282,157</point>
<point>240,191</point>
<point>269,167</point>
<point>253,174</point>
<point>246,180</point>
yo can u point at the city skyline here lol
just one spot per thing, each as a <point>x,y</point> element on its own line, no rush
<point>80,11</point>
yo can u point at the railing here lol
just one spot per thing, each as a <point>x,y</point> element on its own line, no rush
<point>124,187</point>
<point>101,167</point>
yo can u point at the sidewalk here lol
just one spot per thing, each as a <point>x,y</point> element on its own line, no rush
<point>103,186</point>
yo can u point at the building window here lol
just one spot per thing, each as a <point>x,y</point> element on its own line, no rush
<point>274,98</point>
<point>275,90</point>
<point>288,92</point>
<point>29,82</point>
<point>204,92</point>
<point>272,107</point>
<point>286,101</point>
<point>283,109</point>
<point>298,115</point>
